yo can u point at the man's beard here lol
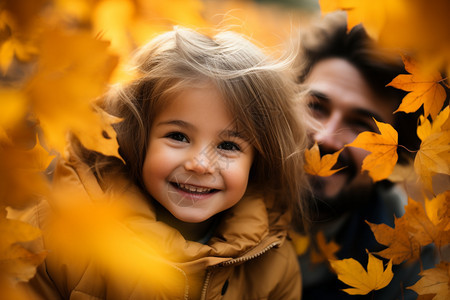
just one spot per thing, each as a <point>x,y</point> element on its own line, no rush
<point>356,193</point>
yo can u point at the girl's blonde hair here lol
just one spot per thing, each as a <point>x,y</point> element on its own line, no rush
<point>260,94</point>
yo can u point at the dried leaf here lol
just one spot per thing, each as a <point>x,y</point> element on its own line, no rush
<point>433,157</point>
<point>434,281</point>
<point>438,210</point>
<point>17,263</point>
<point>421,227</point>
<point>424,87</point>
<point>21,176</point>
<point>315,165</point>
<point>427,128</point>
<point>383,147</point>
<point>434,153</point>
<point>327,249</point>
<point>13,108</point>
<point>64,88</point>
<point>362,282</point>
<point>413,230</point>
<point>301,242</point>
<point>400,246</point>
<point>14,43</point>
<point>81,230</point>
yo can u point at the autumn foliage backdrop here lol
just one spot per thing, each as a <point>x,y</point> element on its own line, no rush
<point>58,56</point>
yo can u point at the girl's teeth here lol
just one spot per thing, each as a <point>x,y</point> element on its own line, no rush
<point>194,189</point>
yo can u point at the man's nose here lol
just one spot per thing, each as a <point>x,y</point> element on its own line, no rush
<point>331,135</point>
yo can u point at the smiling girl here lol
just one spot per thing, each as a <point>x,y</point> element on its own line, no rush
<point>213,163</point>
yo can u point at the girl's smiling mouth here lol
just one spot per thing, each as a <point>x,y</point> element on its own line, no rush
<point>193,189</point>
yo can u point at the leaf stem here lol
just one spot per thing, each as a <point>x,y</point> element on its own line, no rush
<point>410,151</point>
<point>443,81</point>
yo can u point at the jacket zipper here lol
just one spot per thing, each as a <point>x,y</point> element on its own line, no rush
<point>231,262</point>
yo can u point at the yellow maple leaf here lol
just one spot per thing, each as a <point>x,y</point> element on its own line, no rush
<point>438,210</point>
<point>14,43</point>
<point>13,105</point>
<point>383,147</point>
<point>21,176</point>
<point>17,263</point>
<point>326,250</point>
<point>434,281</point>
<point>107,144</point>
<point>426,128</point>
<point>373,15</point>
<point>362,282</point>
<point>301,242</point>
<point>84,228</point>
<point>315,165</point>
<point>434,153</point>
<point>424,89</point>
<point>135,22</point>
<point>64,88</point>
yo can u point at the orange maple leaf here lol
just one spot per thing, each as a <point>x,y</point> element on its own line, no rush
<point>438,210</point>
<point>21,177</point>
<point>17,263</point>
<point>326,250</point>
<point>315,165</point>
<point>434,153</point>
<point>424,87</point>
<point>434,281</point>
<point>383,147</point>
<point>14,43</point>
<point>400,245</point>
<point>413,230</point>
<point>422,228</point>
<point>13,108</point>
<point>362,282</point>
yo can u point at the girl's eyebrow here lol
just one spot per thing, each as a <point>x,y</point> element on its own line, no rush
<point>179,123</point>
<point>232,133</point>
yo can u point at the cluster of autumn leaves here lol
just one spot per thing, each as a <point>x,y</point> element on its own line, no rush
<point>58,56</point>
<point>419,29</point>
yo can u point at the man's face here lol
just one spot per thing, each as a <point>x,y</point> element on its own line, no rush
<point>344,104</point>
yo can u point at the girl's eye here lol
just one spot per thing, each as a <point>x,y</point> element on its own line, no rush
<point>177,136</point>
<point>229,146</point>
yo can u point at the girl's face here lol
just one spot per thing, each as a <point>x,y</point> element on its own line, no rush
<point>196,164</point>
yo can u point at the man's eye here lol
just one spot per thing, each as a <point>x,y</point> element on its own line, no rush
<point>317,108</point>
<point>229,146</point>
<point>361,126</point>
<point>177,136</point>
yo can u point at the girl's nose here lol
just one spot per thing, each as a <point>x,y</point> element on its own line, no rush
<point>202,162</point>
